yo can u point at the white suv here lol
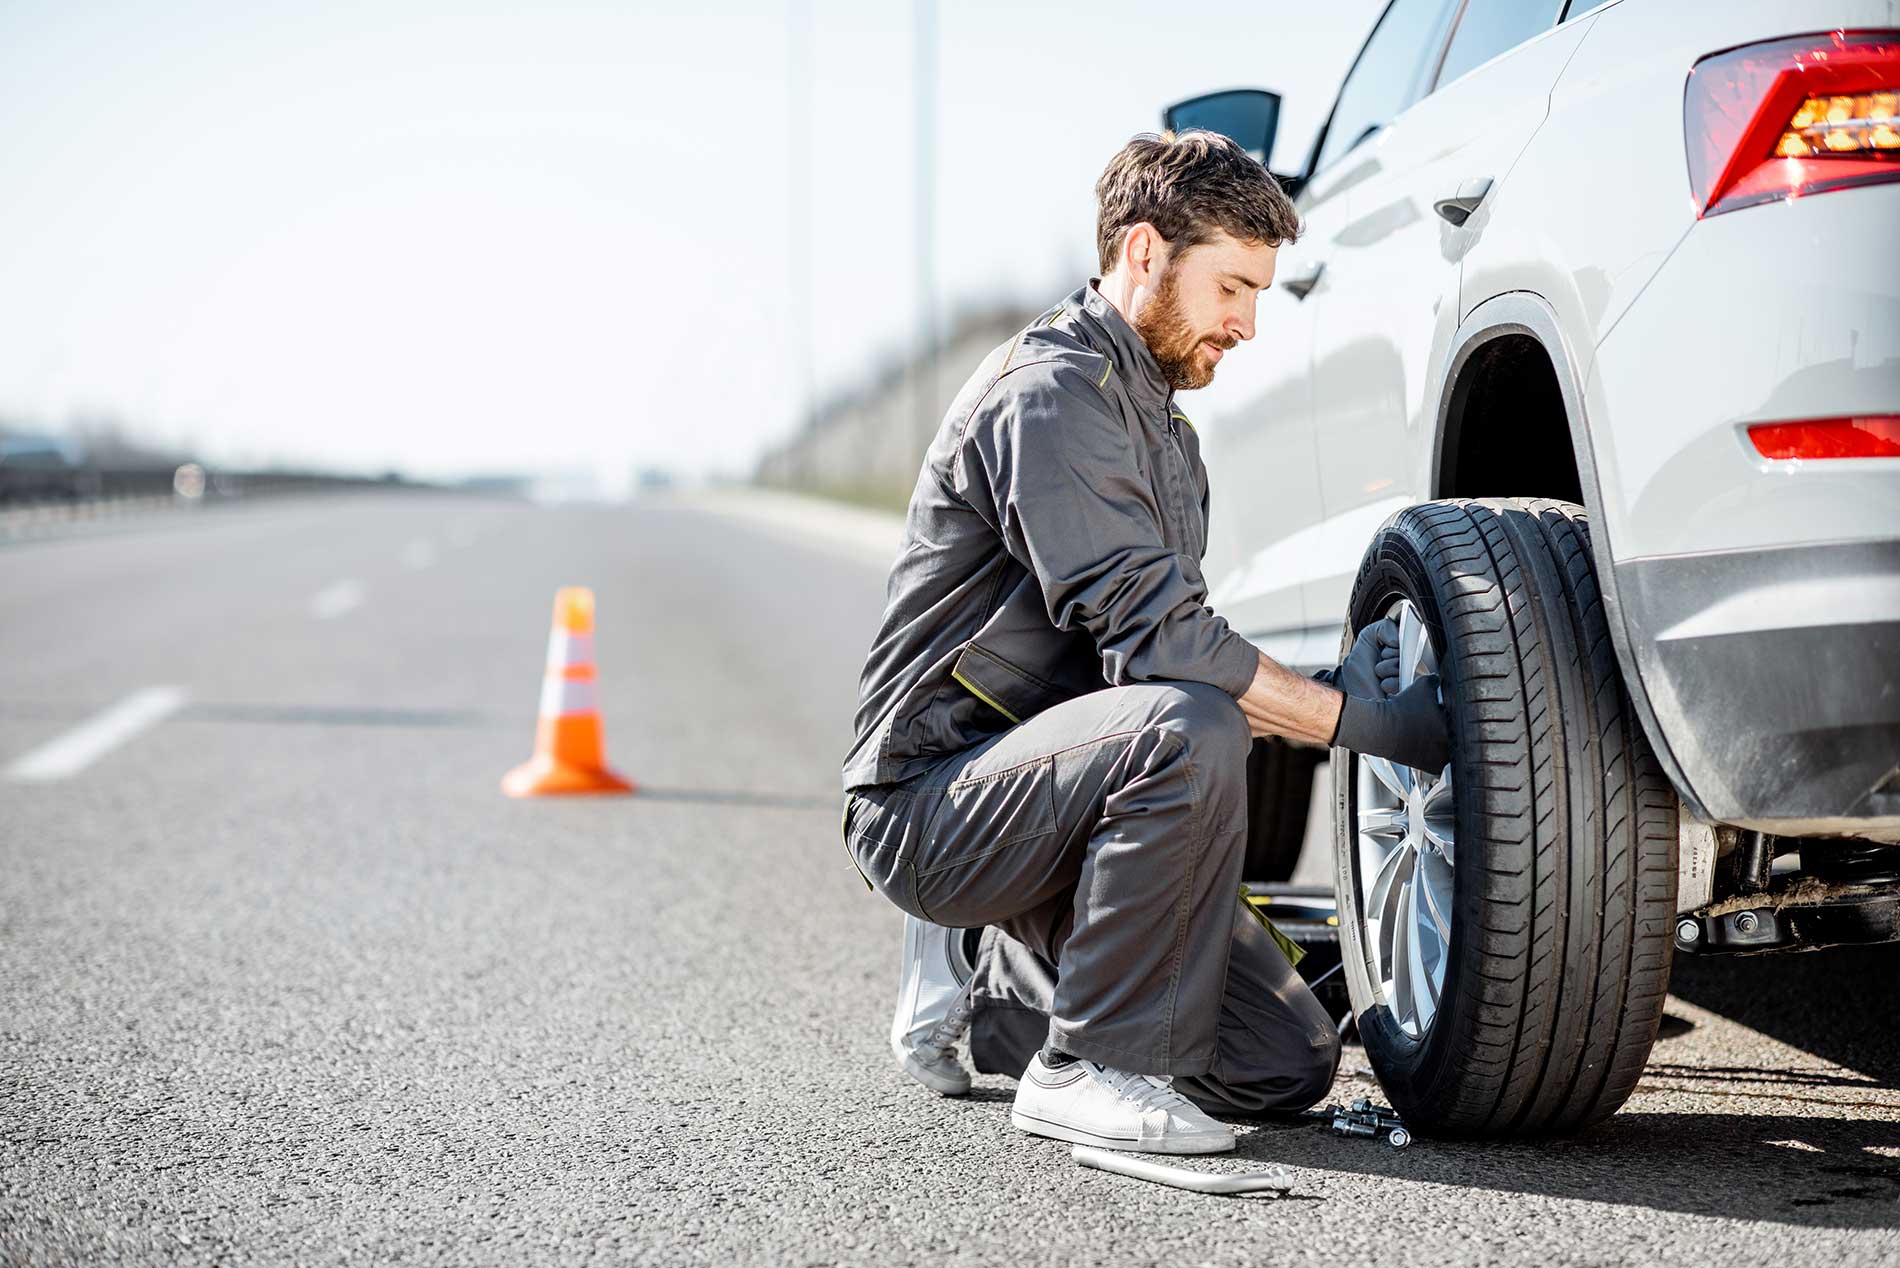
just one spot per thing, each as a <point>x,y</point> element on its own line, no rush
<point>1587,364</point>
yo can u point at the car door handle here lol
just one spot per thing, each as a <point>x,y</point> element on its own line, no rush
<point>1304,278</point>
<point>1458,208</point>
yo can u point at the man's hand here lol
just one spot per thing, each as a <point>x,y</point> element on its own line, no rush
<point>1409,728</point>
<point>1371,668</point>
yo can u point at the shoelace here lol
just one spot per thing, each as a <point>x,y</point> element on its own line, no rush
<point>944,1035</point>
<point>1145,1091</point>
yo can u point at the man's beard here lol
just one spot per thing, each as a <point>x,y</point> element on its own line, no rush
<point>1175,343</point>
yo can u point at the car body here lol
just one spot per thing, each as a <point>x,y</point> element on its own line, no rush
<point>1595,330</point>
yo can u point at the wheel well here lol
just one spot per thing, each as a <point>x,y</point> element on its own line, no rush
<point>1505,433</point>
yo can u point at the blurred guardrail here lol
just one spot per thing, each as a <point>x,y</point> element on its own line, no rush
<point>37,499</point>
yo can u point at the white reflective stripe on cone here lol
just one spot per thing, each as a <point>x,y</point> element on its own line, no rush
<point>568,695</point>
<point>566,648</point>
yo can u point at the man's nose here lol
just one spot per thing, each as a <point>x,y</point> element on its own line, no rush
<point>1241,325</point>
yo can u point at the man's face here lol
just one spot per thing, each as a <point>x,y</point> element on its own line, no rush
<point>1202,305</point>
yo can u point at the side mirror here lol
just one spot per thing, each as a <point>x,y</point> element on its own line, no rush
<point>1250,116</point>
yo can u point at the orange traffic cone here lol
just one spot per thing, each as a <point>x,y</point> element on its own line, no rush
<point>568,755</point>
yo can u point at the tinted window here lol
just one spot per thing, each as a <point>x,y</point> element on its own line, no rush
<point>1491,26</point>
<point>1388,75</point>
<point>1580,7</point>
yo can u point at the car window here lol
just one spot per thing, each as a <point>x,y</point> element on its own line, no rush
<point>1489,27</point>
<point>1388,76</point>
<point>1580,7</point>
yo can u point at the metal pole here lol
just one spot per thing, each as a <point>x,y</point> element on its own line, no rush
<point>798,218</point>
<point>924,76</point>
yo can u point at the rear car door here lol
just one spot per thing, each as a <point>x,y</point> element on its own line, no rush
<point>1388,317</point>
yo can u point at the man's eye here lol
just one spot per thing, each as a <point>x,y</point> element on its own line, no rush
<point>1228,290</point>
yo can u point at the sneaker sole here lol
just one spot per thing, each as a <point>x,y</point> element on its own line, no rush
<point>935,1082</point>
<point>1077,1136</point>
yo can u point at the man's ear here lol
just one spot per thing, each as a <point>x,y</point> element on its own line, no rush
<point>1144,253</point>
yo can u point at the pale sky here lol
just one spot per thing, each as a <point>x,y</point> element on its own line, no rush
<point>548,236</point>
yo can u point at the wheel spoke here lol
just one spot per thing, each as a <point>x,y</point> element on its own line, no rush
<point>1404,1000</point>
<point>1411,634</point>
<point>1436,879</point>
<point>1396,779</point>
<point>1424,987</point>
<point>1384,822</point>
<point>1379,889</point>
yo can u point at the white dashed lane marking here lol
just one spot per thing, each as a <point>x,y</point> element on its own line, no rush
<point>98,735</point>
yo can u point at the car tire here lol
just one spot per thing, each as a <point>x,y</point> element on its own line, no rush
<point>1279,794</point>
<point>1555,836</point>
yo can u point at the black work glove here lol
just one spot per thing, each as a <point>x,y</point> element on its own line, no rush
<point>1371,668</point>
<point>1408,728</point>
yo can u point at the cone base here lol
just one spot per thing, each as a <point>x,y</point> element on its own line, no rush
<point>545,777</point>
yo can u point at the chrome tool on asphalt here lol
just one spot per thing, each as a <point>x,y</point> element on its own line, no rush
<point>1370,1121</point>
<point>1275,1182</point>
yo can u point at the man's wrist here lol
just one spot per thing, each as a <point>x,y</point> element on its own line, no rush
<point>1350,724</point>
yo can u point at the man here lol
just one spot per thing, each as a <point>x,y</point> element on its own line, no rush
<point>1054,726</point>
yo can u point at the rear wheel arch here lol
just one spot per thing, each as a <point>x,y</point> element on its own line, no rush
<point>1508,353</point>
<point>1508,356</point>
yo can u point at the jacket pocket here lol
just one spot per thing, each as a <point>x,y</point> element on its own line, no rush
<point>1005,687</point>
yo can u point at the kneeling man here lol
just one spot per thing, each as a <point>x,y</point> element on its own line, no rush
<point>1053,725</point>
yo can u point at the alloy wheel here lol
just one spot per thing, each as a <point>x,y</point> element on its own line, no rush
<point>1405,838</point>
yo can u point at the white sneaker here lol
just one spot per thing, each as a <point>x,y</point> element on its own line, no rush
<point>933,1007</point>
<point>1092,1104</point>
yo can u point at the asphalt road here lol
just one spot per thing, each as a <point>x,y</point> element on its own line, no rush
<point>285,979</point>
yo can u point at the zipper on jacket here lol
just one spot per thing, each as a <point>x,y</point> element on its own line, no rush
<point>1180,464</point>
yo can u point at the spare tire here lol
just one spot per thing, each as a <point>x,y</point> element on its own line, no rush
<point>1506,923</point>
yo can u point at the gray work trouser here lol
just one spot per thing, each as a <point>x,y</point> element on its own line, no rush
<point>1103,840</point>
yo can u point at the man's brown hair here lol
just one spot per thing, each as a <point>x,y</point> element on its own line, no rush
<point>1187,185</point>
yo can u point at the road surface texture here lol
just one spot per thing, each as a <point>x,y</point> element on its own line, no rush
<point>285,979</point>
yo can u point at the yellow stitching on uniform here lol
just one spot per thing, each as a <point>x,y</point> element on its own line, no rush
<point>1048,318</point>
<point>1182,417</point>
<point>983,695</point>
<point>1106,371</point>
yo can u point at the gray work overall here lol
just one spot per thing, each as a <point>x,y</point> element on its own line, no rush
<point>1048,738</point>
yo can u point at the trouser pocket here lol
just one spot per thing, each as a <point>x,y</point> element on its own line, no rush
<point>992,849</point>
<point>882,826</point>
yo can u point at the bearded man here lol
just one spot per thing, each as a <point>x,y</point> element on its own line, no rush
<point>1053,725</point>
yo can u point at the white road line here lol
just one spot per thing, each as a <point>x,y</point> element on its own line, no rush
<point>97,735</point>
<point>331,602</point>
<point>418,554</point>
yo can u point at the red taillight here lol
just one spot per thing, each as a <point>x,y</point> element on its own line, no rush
<point>1792,117</point>
<point>1875,436</point>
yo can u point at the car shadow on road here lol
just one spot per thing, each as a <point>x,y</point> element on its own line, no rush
<point>1813,1172</point>
<point>1833,1004</point>
<point>1793,1162</point>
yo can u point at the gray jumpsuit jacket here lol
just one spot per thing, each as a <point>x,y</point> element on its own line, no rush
<point>1052,547</point>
